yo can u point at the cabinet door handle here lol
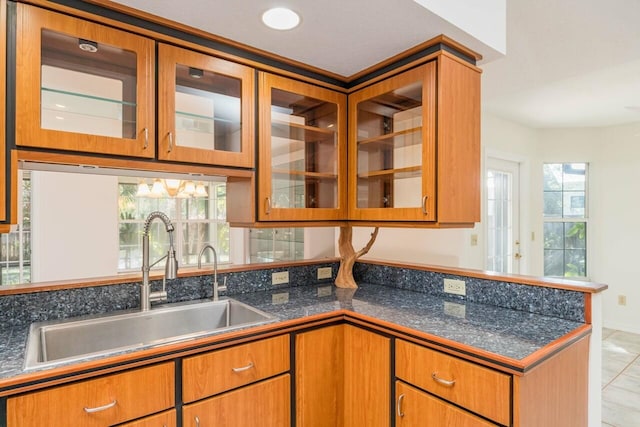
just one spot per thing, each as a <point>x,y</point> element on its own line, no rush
<point>448,383</point>
<point>100,408</point>
<point>399,406</point>
<point>146,138</point>
<point>170,142</point>
<point>267,205</point>
<point>424,205</point>
<point>243,368</point>
<point>197,422</point>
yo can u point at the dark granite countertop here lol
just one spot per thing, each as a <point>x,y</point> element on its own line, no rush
<point>505,332</point>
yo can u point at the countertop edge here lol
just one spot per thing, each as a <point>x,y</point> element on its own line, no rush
<point>29,381</point>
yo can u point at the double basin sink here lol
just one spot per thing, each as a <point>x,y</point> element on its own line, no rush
<point>72,340</point>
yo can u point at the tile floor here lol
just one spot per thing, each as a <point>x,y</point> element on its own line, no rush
<point>620,379</point>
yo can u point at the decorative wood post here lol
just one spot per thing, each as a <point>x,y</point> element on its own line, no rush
<point>348,256</point>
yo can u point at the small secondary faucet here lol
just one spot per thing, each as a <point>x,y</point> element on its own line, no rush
<point>170,269</point>
<point>216,288</point>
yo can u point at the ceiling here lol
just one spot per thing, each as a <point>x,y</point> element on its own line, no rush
<point>569,63</point>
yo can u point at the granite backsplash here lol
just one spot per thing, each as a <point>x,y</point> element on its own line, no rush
<point>21,309</point>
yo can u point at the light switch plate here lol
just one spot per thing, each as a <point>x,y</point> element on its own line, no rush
<point>280,278</point>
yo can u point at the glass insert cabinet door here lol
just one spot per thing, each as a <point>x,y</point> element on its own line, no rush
<point>302,173</point>
<point>392,157</point>
<point>82,86</point>
<point>206,109</point>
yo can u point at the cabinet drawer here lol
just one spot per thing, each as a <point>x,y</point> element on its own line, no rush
<point>99,402</point>
<point>414,408</point>
<point>265,404</point>
<point>212,373</point>
<point>165,419</point>
<point>479,389</point>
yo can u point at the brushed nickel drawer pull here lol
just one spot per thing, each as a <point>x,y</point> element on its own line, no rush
<point>399,406</point>
<point>448,383</point>
<point>424,205</point>
<point>170,142</point>
<point>244,368</point>
<point>100,408</point>
<point>197,422</point>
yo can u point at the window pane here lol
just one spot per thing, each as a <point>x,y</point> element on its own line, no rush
<point>575,235</point>
<point>576,262</point>
<point>554,235</point>
<point>573,177</point>
<point>553,204</point>
<point>553,262</point>
<point>573,204</point>
<point>552,177</point>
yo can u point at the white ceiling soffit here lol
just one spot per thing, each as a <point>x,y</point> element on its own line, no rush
<point>569,63</point>
<point>342,37</point>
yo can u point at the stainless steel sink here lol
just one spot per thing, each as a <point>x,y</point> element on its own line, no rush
<point>57,342</point>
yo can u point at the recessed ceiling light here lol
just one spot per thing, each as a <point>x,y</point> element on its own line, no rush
<point>281,18</point>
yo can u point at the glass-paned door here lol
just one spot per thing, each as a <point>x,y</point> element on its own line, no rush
<point>206,109</point>
<point>392,158</point>
<point>503,252</point>
<point>302,151</point>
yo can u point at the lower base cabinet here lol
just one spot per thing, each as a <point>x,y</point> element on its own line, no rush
<point>343,378</point>
<point>265,404</point>
<point>415,408</point>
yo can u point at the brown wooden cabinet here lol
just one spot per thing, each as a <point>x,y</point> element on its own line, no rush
<point>98,402</point>
<point>214,372</point>
<point>482,390</point>
<point>302,151</point>
<point>342,378</point>
<point>414,145</point>
<point>265,404</point>
<point>205,109</point>
<point>82,86</point>
<point>244,385</point>
<point>415,408</point>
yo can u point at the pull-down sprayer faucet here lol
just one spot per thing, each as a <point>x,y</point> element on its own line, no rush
<point>171,267</point>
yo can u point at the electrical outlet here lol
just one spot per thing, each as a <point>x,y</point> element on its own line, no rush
<point>474,240</point>
<point>281,298</point>
<point>280,278</point>
<point>622,300</point>
<point>457,287</point>
<point>324,273</point>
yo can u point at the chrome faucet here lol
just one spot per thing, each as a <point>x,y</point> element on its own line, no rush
<point>216,288</point>
<point>170,269</point>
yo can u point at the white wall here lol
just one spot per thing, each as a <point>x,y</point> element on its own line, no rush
<point>75,232</point>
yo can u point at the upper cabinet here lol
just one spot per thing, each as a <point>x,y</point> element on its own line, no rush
<point>302,151</point>
<point>414,152</point>
<point>205,109</point>
<point>83,87</point>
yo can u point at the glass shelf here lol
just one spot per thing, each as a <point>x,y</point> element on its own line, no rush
<point>76,112</point>
<point>398,173</point>
<point>295,131</point>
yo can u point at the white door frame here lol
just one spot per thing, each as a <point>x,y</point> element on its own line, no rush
<point>511,215</point>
